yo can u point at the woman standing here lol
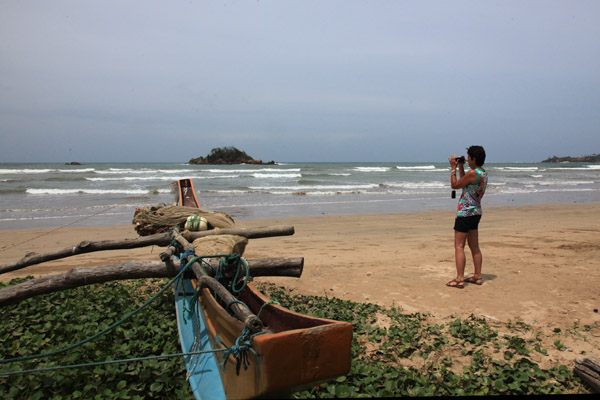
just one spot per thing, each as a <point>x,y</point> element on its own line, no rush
<point>473,185</point>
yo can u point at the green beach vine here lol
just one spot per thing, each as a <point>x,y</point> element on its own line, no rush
<point>393,353</point>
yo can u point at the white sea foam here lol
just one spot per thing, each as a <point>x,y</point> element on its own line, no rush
<point>371,169</point>
<point>264,175</point>
<point>421,168</point>
<point>261,187</point>
<point>51,191</point>
<point>249,171</point>
<point>300,188</point>
<point>10,171</point>
<point>528,189</point>
<point>145,171</point>
<point>518,168</point>
<point>564,183</point>
<point>417,185</point>
<point>585,168</point>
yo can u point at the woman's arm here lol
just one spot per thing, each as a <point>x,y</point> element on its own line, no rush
<point>465,179</point>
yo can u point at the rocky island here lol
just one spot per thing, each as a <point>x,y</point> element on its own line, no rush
<point>591,158</point>
<point>228,155</point>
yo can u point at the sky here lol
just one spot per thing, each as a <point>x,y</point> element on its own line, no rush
<point>313,81</point>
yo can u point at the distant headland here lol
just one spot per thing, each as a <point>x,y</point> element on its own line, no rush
<point>228,155</point>
<point>591,158</point>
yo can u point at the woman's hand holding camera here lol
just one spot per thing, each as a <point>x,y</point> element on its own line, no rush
<point>455,161</point>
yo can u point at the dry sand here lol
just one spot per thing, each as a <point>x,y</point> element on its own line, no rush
<point>541,263</point>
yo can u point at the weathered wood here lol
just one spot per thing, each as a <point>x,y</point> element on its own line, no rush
<point>169,252</point>
<point>251,321</point>
<point>254,233</point>
<point>588,369</point>
<point>289,267</point>
<point>81,276</point>
<point>159,239</point>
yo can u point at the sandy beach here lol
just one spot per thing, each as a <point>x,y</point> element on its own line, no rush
<point>541,263</point>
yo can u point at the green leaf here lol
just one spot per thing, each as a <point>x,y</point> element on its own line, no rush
<point>342,391</point>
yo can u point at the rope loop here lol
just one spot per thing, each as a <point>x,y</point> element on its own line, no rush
<point>239,350</point>
<point>266,304</point>
<point>231,262</point>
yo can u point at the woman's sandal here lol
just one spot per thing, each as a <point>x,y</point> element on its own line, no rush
<point>472,279</point>
<point>456,284</point>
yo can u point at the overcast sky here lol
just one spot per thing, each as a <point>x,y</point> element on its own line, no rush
<point>298,80</point>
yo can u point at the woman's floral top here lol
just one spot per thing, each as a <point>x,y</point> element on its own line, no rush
<point>470,199</point>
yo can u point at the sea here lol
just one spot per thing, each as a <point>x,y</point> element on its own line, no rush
<point>54,195</point>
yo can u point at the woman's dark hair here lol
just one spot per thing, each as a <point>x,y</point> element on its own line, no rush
<point>478,153</point>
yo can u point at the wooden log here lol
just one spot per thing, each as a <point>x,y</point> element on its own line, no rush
<point>81,276</point>
<point>251,321</point>
<point>289,267</point>
<point>253,233</point>
<point>588,369</point>
<point>160,239</point>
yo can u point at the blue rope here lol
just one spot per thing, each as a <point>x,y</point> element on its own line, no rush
<point>95,364</point>
<point>230,262</point>
<point>95,336</point>
<point>243,344</point>
<point>238,351</point>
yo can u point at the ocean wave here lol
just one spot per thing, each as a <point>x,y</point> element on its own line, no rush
<point>420,168</point>
<point>144,171</point>
<point>564,183</point>
<point>11,171</point>
<point>320,192</point>
<point>261,175</point>
<point>517,168</point>
<point>249,171</point>
<point>371,169</point>
<point>157,178</point>
<point>301,188</point>
<point>533,189</point>
<point>415,185</point>
<point>52,191</point>
<point>57,217</point>
<point>585,168</point>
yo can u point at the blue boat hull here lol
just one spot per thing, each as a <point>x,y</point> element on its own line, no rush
<point>202,369</point>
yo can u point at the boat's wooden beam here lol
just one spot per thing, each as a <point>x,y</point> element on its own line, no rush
<point>249,233</point>
<point>251,321</point>
<point>159,239</point>
<point>81,276</point>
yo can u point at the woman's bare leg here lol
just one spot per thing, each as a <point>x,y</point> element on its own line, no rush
<point>459,254</point>
<point>473,240</point>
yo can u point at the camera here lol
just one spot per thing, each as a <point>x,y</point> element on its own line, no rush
<point>461,159</point>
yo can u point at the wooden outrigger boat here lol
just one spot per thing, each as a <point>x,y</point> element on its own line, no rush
<point>291,352</point>
<point>280,351</point>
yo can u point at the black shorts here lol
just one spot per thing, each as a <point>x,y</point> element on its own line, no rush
<point>466,224</point>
